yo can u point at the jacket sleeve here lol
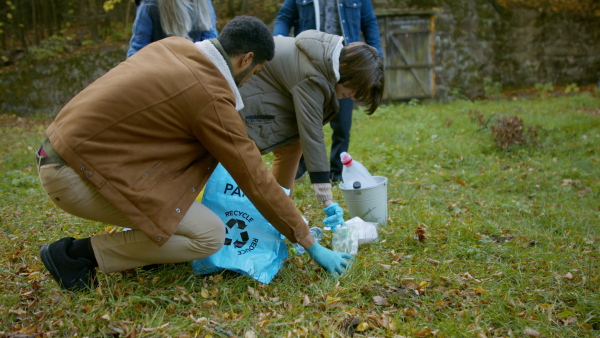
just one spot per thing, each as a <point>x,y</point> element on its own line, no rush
<point>309,100</point>
<point>222,132</point>
<point>286,18</point>
<point>142,30</point>
<point>369,26</point>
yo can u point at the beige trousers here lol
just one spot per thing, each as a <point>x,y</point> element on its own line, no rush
<point>285,164</point>
<point>200,234</point>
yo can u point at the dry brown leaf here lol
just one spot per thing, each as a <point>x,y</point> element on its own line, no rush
<point>380,301</point>
<point>569,320</point>
<point>420,231</point>
<point>305,300</point>
<point>385,266</point>
<point>410,311</point>
<point>566,182</point>
<point>250,334</point>
<point>460,182</point>
<point>584,192</point>
<point>398,201</point>
<point>59,313</point>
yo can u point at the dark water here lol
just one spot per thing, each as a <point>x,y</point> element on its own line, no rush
<point>42,89</point>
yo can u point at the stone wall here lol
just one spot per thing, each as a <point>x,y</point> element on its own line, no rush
<point>475,39</point>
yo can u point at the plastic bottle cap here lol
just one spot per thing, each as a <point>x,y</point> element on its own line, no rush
<point>356,185</point>
<point>346,159</point>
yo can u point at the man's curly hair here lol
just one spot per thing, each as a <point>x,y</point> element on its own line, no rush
<point>244,34</point>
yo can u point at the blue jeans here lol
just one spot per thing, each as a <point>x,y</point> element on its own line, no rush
<point>340,139</point>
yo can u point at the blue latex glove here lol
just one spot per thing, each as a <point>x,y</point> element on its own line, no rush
<point>335,216</point>
<point>329,260</point>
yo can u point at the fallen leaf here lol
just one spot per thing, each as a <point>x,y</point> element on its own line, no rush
<point>566,182</point>
<point>398,201</point>
<point>420,231</point>
<point>305,300</point>
<point>432,261</point>
<point>460,182</point>
<point>410,311</point>
<point>362,327</point>
<point>569,320</point>
<point>380,301</point>
<point>584,192</point>
<point>250,334</point>
<point>531,332</point>
<point>331,300</point>
<point>469,277</point>
<point>479,290</point>
<point>34,275</point>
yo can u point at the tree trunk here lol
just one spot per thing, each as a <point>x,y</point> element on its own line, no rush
<point>93,19</point>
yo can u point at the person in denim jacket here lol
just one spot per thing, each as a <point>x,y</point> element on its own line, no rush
<point>156,19</point>
<point>347,18</point>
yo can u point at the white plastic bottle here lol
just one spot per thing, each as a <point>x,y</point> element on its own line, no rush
<point>354,174</point>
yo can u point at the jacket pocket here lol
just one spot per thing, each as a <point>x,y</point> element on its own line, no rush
<point>351,12</point>
<point>260,129</point>
<point>151,174</point>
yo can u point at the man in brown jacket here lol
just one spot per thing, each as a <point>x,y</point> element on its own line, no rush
<point>135,147</point>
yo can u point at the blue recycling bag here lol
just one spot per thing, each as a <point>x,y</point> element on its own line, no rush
<point>252,246</point>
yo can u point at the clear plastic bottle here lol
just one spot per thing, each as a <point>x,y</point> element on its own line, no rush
<point>354,174</point>
<point>317,234</point>
<point>345,240</point>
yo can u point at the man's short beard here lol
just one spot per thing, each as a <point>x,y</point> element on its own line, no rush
<point>239,77</point>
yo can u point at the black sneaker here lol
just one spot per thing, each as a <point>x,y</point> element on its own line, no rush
<point>335,178</point>
<point>301,172</point>
<point>71,274</point>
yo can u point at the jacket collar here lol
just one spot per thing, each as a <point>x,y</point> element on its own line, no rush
<point>214,51</point>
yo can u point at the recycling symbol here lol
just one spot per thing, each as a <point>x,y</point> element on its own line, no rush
<point>243,235</point>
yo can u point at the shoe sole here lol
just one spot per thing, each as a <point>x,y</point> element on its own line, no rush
<point>49,263</point>
<point>301,177</point>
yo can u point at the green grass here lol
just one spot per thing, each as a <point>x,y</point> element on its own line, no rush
<point>511,241</point>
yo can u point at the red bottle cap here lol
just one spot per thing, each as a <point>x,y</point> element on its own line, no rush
<point>346,159</point>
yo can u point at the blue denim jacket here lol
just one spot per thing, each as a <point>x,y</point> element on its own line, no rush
<point>356,16</point>
<point>144,31</point>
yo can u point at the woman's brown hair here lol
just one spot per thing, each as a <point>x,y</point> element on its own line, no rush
<point>362,70</point>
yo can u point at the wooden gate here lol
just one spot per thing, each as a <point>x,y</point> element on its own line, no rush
<point>407,43</point>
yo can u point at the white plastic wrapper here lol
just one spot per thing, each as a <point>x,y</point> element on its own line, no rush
<point>366,231</point>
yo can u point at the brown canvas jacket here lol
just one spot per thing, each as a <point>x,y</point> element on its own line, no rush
<point>149,133</point>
